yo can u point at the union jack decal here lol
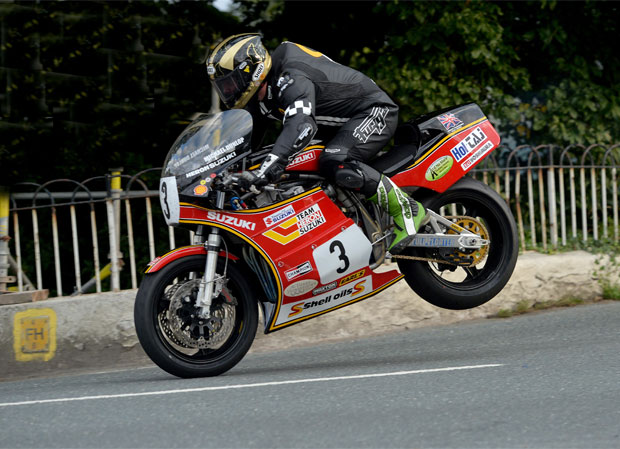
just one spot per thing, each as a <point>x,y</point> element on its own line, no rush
<point>450,121</point>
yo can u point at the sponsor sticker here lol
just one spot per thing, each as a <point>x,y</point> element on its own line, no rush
<point>279,216</point>
<point>450,121</point>
<point>197,152</point>
<point>200,190</point>
<point>439,168</point>
<point>211,165</point>
<point>260,68</point>
<point>479,154</point>
<point>432,242</point>
<point>304,157</point>
<point>352,277</point>
<point>300,270</point>
<point>230,220</point>
<point>310,219</point>
<point>223,150</point>
<point>470,143</point>
<point>329,300</point>
<point>305,221</point>
<point>324,288</point>
<point>300,287</point>
<point>475,138</point>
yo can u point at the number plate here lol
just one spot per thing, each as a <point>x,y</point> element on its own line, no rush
<point>169,200</point>
<point>347,252</point>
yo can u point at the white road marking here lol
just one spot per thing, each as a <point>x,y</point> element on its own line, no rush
<point>260,384</point>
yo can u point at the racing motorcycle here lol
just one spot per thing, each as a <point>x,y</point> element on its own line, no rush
<point>303,247</point>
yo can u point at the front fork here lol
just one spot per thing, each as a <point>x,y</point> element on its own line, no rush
<point>207,284</point>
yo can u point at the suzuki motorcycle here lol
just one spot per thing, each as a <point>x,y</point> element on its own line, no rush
<point>303,247</point>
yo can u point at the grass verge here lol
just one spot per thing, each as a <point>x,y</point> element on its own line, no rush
<point>526,307</point>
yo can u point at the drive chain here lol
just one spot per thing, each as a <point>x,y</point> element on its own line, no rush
<point>428,259</point>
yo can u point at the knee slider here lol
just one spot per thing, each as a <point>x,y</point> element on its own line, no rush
<point>349,179</point>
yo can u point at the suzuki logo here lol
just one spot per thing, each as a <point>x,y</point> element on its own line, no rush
<point>229,220</point>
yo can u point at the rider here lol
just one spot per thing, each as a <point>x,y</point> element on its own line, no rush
<point>304,88</point>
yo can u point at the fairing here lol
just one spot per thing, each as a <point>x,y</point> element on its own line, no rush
<point>453,141</point>
<point>318,257</point>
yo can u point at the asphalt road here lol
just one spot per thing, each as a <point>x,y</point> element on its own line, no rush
<point>539,380</point>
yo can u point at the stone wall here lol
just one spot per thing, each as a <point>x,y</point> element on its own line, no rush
<point>96,332</point>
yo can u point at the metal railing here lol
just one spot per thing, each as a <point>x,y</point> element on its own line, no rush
<point>558,196</point>
<point>570,192</point>
<point>82,209</point>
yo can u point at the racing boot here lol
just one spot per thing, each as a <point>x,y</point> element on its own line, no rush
<point>408,214</point>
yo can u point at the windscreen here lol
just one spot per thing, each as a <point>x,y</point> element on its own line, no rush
<point>207,146</point>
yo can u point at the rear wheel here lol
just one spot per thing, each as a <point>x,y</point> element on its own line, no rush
<point>173,334</point>
<point>478,208</point>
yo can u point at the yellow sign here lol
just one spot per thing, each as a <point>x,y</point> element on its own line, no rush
<point>34,335</point>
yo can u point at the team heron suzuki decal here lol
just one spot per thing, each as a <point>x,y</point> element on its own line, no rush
<point>293,228</point>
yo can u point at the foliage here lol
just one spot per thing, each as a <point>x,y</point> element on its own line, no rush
<point>89,86</point>
<point>545,72</point>
<point>525,307</point>
<point>96,85</point>
<point>608,271</point>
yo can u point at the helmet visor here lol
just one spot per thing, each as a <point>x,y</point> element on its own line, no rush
<point>230,87</point>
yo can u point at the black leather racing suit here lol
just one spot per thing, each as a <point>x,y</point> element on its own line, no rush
<point>306,89</point>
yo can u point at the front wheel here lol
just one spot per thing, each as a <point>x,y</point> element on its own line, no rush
<point>173,334</point>
<point>476,206</point>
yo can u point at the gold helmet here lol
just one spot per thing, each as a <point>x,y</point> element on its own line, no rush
<point>237,67</point>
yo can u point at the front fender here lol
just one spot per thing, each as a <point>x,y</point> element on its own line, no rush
<point>161,261</point>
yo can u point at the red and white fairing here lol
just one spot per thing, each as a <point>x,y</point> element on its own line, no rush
<point>319,257</point>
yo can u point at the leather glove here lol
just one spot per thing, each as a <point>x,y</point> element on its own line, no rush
<point>270,171</point>
<point>272,168</point>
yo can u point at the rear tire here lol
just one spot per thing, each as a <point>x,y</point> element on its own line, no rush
<point>464,288</point>
<point>175,339</point>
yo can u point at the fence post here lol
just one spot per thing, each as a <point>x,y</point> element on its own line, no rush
<point>113,213</point>
<point>18,255</point>
<point>553,224</point>
<point>615,201</point>
<point>4,239</point>
<point>115,184</point>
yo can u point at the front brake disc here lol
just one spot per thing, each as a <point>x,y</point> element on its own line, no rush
<point>185,327</point>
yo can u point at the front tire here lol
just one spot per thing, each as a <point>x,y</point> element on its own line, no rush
<point>461,288</point>
<point>172,334</point>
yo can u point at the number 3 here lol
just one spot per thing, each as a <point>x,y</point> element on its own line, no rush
<point>164,191</point>
<point>338,244</point>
